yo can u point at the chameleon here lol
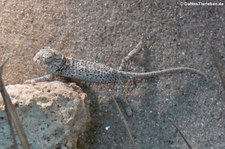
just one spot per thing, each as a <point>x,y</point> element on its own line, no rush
<point>60,65</point>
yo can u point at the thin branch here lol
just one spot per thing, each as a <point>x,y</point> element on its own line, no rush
<point>182,135</point>
<point>124,122</point>
<point>15,145</point>
<point>218,64</point>
<point>11,113</point>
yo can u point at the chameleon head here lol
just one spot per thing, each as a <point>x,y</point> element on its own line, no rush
<point>48,57</point>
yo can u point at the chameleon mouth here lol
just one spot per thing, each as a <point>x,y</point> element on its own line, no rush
<point>37,60</point>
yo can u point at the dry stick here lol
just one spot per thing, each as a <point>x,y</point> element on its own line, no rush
<point>218,64</point>
<point>11,112</point>
<point>124,121</point>
<point>15,145</point>
<point>182,135</point>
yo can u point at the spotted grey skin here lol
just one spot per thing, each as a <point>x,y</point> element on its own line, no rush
<point>78,69</point>
<point>94,72</point>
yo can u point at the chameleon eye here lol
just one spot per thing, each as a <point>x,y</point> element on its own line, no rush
<point>49,58</point>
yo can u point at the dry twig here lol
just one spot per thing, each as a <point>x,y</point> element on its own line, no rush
<point>182,135</point>
<point>12,115</point>
<point>218,64</point>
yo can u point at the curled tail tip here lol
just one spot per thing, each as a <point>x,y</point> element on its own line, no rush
<point>203,75</point>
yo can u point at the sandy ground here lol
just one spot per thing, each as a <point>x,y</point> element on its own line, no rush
<point>105,31</point>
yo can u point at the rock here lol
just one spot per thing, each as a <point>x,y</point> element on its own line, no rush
<point>53,114</point>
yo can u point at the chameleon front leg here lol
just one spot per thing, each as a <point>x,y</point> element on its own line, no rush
<point>48,77</point>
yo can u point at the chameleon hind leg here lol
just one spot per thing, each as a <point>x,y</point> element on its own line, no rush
<point>119,88</point>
